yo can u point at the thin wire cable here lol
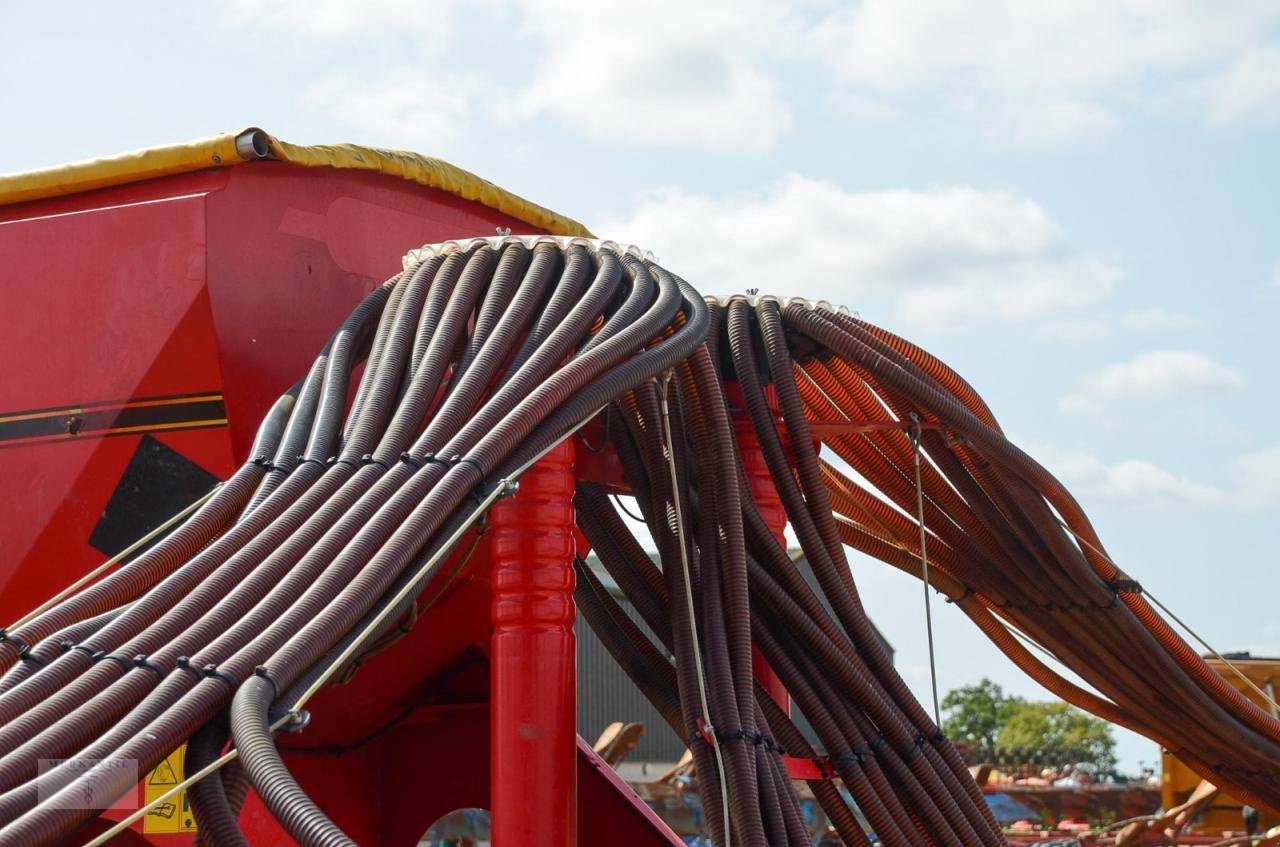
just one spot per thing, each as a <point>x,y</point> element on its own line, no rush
<point>1266,698</point>
<point>213,767</point>
<point>914,437</point>
<point>669,445</point>
<point>504,487</point>
<point>618,502</point>
<point>114,560</point>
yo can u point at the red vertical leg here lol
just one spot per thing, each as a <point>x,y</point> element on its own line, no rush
<point>770,505</point>
<point>534,769</point>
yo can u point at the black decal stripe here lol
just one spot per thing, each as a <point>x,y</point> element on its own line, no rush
<point>160,398</point>
<point>99,420</point>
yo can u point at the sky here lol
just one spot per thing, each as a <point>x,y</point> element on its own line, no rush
<point>1075,203</point>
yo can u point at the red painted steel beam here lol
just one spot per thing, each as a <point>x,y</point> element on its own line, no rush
<point>533,781</point>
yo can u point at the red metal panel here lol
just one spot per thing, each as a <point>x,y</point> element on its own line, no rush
<point>291,250</point>
<point>226,283</point>
<point>534,779</point>
<point>102,306</point>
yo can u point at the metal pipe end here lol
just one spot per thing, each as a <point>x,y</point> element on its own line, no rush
<point>253,144</point>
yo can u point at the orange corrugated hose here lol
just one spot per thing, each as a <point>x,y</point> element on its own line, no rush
<point>821,405</point>
<point>993,516</point>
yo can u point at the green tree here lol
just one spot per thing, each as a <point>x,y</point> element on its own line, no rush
<point>976,713</point>
<point>1061,733</point>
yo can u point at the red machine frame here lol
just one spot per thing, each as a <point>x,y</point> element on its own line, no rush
<point>165,292</point>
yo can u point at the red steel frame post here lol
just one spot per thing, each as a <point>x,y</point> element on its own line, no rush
<point>533,781</point>
<point>769,503</point>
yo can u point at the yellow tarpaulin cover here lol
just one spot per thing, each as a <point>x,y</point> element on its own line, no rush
<point>253,145</point>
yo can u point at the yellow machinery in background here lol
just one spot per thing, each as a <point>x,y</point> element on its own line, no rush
<point>1178,781</point>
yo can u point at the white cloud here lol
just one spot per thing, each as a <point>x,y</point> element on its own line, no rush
<point>1157,318</point>
<point>342,19</point>
<point>1046,121</point>
<point>1152,374</point>
<point>659,73</point>
<point>401,107</point>
<point>1129,480</point>
<point>1096,327</point>
<point>1135,479</point>
<point>942,258</point>
<point>1249,87</point>
<point>1258,477</point>
<point>1045,71</point>
<point>1077,329</point>
<point>1253,480</point>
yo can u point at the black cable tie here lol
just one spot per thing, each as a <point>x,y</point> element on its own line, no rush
<point>433,459</point>
<point>938,737</point>
<point>303,460</point>
<point>211,672</point>
<point>184,663</point>
<point>22,645</point>
<point>917,745</point>
<point>340,460</point>
<point>370,459</point>
<point>141,661</point>
<point>822,767</point>
<point>124,663</point>
<point>4,635</point>
<point>26,655</point>
<point>467,460</point>
<point>1128,586</point>
<point>411,460</point>
<point>262,673</point>
<point>483,488</point>
<point>84,648</point>
<point>267,465</point>
<point>67,645</point>
<point>879,744</point>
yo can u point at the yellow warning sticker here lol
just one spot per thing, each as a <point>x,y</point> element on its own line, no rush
<point>174,814</point>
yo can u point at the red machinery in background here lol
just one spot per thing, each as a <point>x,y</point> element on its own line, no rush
<point>138,294</point>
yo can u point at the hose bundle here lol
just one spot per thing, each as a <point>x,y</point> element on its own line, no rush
<point>480,356</point>
<point>1005,541</point>
<point>454,376</point>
